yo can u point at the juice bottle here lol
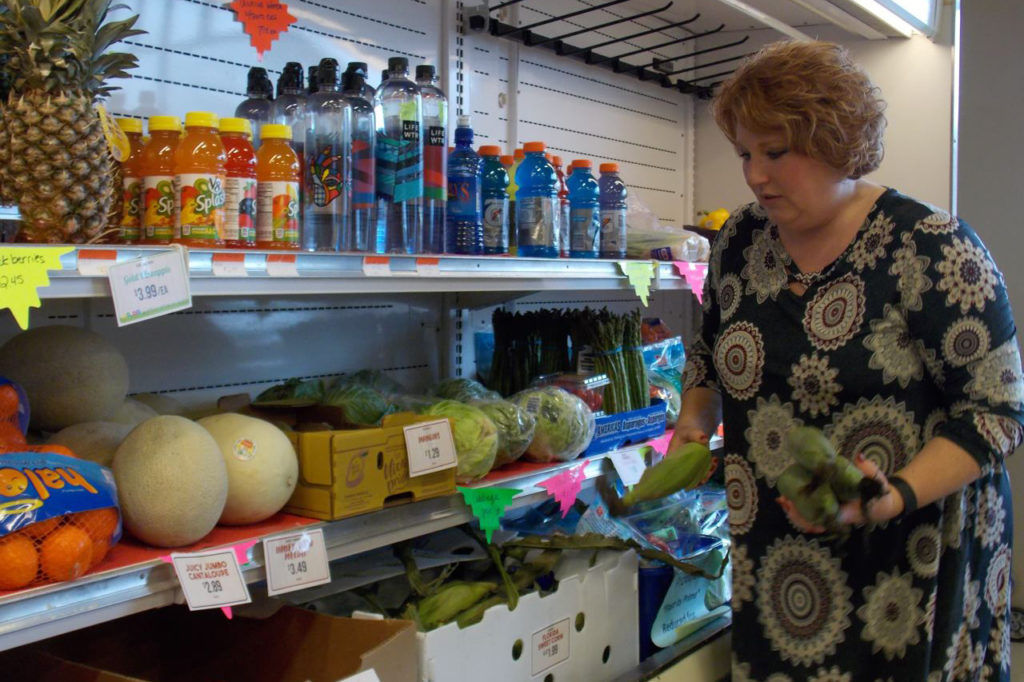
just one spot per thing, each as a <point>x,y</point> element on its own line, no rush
<point>239,183</point>
<point>277,170</point>
<point>199,182</point>
<point>157,168</point>
<point>131,175</point>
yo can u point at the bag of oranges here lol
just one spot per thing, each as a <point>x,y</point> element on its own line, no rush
<point>58,517</point>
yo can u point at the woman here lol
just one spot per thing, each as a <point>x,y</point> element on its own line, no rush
<point>837,303</point>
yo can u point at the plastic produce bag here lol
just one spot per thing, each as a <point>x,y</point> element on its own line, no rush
<point>646,237</point>
<point>463,390</point>
<point>361,406</point>
<point>372,378</point>
<point>565,425</point>
<point>665,360</point>
<point>476,438</point>
<point>515,426</point>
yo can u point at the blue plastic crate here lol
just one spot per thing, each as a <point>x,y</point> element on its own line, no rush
<point>615,431</point>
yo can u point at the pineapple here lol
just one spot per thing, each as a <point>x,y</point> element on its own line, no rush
<point>54,160</point>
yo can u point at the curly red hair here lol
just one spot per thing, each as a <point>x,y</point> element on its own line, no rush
<point>811,91</point>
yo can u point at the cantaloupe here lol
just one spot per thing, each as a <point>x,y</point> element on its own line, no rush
<point>262,466</point>
<point>162,404</point>
<point>133,412</point>
<point>171,481</point>
<point>94,441</point>
<point>71,375</point>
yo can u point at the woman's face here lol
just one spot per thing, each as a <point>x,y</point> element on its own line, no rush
<point>797,192</point>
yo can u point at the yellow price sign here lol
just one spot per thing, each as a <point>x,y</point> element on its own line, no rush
<point>23,269</point>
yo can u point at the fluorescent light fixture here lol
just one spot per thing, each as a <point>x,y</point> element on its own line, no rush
<point>765,19</point>
<point>887,16</point>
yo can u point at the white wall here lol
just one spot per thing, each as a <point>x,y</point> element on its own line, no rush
<point>915,76</point>
<point>990,171</point>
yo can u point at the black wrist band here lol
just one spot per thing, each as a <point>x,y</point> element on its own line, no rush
<point>909,498</point>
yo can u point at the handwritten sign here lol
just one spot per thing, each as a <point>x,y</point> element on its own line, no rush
<point>150,286</point>
<point>211,579</point>
<point>22,271</point>
<point>295,562</point>
<point>565,486</point>
<point>430,447</point>
<point>488,505</point>
<point>694,273</point>
<point>640,273</point>
<point>263,20</point>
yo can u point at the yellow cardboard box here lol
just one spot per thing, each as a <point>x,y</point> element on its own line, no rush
<point>345,473</point>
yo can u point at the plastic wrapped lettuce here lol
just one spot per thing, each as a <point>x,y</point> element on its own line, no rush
<point>372,378</point>
<point>362,406</point>
<point>515,428</point>
<point>292,393</point>
<point>476,438</point>
<point>463,390</point>
<point>565,425</point>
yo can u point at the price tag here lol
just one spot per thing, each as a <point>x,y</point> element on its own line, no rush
<point>149,287</point>
<point>282,265</point>
<point>430,267</point>
<point>95,262</point>
<point>210,579</point>
<point>550,646</point>
<point>629,464</point>
<point>295,562</point>
<point>229,265</point>
<point>376,266</point>
<point>430,447</point>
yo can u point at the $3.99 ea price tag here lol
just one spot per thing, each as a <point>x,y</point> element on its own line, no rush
<point>150,286</point>
<point>210,579</point>
<point>430,447</point>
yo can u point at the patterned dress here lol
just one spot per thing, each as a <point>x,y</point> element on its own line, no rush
<point>909,336</point>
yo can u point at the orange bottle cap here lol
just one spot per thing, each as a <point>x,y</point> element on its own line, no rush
<point>130,125</point>
<point>275,131</point>
<point>507,160</point>
<point>236,125</point>
<point>609,168</point>
<point>557,160</point>
<point>518,154</point>
<point>489,150</point>
<point>201,119</point>
<point>164,123</point>
<point>533,147</point>
<point>582,163</point>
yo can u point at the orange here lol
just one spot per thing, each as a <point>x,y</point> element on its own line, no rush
<point>100,524</point>
<point>65,553</point>
<point>11,436</point>
<point>19,561</point>
<point>40,529</point>
<point>99,552</point>
<point>9,402</point>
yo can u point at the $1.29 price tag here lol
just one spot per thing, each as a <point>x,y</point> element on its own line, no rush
<point>295,562</point>
<point>210,579</point>
<point>150,286</point>
<point>430,447</point>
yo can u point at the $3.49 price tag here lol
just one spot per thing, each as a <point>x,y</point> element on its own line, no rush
<point>430,447</point>
<point>295,562</point>
<point>210,579</point>
<point>150,286</point>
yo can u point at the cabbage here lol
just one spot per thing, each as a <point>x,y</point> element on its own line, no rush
<point>362,406</point>
<point>464,390</point>
<point>292,393</point>
<point>565,425</point>
<point>372,378</point>
<point>515,428</point>
<point>476,438</point>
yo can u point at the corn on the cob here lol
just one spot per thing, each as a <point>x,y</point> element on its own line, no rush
<point>475,613</point>
<point>683,468</point>
<point>811,449</point>
<point>450,600</point>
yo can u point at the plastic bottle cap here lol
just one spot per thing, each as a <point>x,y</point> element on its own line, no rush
<point>398,64</point>
<point>533,147</point>
<point>463,122</point>
<point>231,124</point>
<point>489,150</point>
<point>609,168</point>
<point>357,67</point>
<point>275,131</point>
<point>163,123</point>
<point>557,160</point>
<point>130,125</point>
<point>200,119</point>
<point>582,163</point>
<point>425,72</point>
<point>507,160</point>
<point>518,154</point>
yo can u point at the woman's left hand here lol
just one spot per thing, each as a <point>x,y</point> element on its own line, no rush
<point>855,513</point>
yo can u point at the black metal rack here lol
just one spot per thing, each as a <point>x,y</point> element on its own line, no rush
<point>656,70</point>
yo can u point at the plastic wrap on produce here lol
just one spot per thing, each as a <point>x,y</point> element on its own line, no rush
<point>646,237</point>
<point>565,425</point>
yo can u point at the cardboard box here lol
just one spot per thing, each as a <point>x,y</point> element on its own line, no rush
<point>585,630</point>
<point>175,645</point>
<point>345,473</point>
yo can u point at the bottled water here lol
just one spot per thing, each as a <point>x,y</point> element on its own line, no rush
<point>465,230</point>
<point>398,112</point>
<point>327,176</point>
<point>364,181</point>
<point>258,106</point>
<point>435,159</point>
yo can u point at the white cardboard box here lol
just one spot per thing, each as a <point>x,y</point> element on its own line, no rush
<point>585,630</point>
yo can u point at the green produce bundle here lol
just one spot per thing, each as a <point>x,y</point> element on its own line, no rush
<point>515,426</point>
<point>476,438</point>
<point>565,425</point>
<point>361,406</point>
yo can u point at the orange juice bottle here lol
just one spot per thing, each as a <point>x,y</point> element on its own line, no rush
<point>199,182</point>
<point>157,168</point>
<point>239,183</point>
<point>277,170</point>
<point>131,206</point>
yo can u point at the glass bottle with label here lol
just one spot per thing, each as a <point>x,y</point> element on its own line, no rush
<point>277,169</point>
<point>157,168</point>
<point>199,182</point>
<point>239,183</point>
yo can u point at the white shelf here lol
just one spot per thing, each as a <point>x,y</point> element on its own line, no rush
<point>343,273</point>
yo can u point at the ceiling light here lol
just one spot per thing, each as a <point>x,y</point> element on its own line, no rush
<point>893,21</point>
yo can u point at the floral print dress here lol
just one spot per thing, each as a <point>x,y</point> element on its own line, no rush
<point>909,336</point>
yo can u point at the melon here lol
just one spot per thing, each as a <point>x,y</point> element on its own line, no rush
<point>71,375</point>
<point>94,441</point>
<point>171,481</point>
<point>162,404</point>
<point>261,462</point>
<point>133,412</point>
